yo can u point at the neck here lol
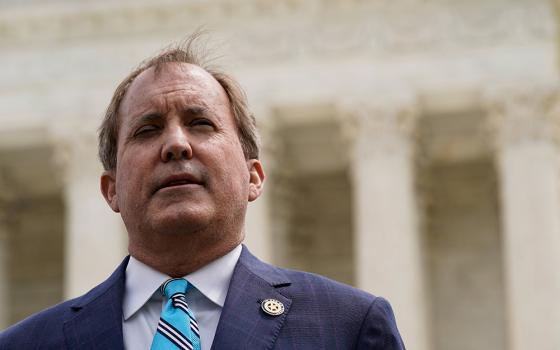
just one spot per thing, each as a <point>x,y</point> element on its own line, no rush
<point>178,258</point>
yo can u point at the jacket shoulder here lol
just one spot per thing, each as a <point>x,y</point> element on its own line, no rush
<point>308,289</point>
<point>318,286</point>
<point>379,328</point>
<point>363,320</point>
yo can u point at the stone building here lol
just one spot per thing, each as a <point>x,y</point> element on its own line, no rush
<point>411,147</point>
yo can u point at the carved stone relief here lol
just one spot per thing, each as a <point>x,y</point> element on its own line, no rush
<point>528,113</point>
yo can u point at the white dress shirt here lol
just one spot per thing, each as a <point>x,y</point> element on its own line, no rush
<point>142,303</point>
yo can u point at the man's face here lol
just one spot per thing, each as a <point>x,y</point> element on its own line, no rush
<point>180,165</point>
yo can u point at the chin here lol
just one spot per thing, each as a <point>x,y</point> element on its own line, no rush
<point>180,222</point>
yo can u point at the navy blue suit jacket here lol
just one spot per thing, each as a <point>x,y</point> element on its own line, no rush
<point>319,314</point>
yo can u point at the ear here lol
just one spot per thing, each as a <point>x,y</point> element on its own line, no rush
<point>109,189</point>
<point>256,179</point>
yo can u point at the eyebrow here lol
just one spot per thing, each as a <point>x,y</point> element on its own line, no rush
<point>194,110</point>
<point>151,117</point>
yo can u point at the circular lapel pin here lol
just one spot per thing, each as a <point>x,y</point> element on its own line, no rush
<point>272,307</point>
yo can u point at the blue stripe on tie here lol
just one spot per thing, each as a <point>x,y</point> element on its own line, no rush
<point>175,331</point>
<point>183,306</point>
<point>194,328</point>
<point>173,340</point>
<point>179,339</point>
<point>177,327</point>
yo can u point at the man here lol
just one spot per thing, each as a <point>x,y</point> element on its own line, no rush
<point>180,153</point>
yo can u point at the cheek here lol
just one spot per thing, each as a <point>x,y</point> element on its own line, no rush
<point>232,175</point>
<point>239,179</point>
<point>127,180</point>
<point>135,164</point>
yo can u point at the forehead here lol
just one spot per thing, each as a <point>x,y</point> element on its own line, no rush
<point>173,80</point>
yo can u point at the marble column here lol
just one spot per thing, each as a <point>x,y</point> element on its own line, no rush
<point>526,125</point>
<point>388,245</point>
<point>95,238</point>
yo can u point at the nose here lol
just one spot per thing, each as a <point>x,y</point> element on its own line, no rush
<point>176,145</point>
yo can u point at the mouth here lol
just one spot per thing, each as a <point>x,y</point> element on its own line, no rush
<point>180,180</point>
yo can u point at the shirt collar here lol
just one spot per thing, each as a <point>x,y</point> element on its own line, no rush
<point>212,280</point>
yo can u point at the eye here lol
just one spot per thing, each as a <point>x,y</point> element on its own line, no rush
<point>202,122</point>
<point>145,129</point>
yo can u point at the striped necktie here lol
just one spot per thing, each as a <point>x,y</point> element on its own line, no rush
<point>177,327</point>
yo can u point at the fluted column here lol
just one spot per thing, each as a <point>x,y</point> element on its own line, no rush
<point>95,239</point>
<point>388,246</point>
<point>526,125</point>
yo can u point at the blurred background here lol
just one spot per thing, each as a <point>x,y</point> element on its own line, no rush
<point>411,147</point>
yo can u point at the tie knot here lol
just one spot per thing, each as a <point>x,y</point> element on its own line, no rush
<point>174,286</point>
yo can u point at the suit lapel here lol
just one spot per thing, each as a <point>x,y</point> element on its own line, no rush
<point>243,324</point>
<point>96,318</point>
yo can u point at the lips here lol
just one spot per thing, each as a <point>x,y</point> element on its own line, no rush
<point>178,180</point>
<point>177,183</point>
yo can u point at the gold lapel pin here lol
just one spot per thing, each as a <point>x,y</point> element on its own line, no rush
<point>272,307</point>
